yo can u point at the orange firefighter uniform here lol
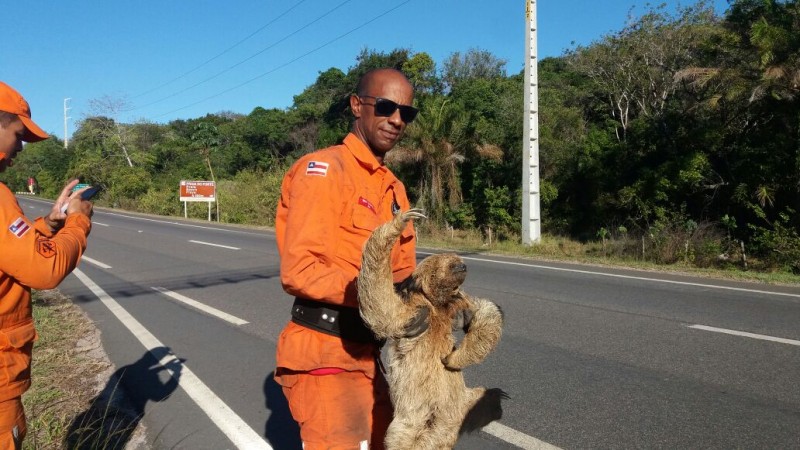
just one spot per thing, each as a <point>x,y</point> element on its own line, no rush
<point>31,256</point>
<point>331,200</point>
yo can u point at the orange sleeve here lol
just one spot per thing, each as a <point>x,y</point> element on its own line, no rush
<point>31,254</point>
<point>306,226</point>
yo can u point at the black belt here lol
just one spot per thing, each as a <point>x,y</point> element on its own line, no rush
<point>335,320</point>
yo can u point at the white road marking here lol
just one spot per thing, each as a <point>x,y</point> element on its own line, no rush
<point>100,223</point>
<point>214,245</point>
<point>190,225</point>
<point>221,414</point>
<point>95,262</point>
<point>746,334</point>
<point>202,307</point>
<point>514,437</point>
<point>630,277</point>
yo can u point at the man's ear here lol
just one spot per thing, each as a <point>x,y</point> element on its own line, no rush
<point>355,105</point>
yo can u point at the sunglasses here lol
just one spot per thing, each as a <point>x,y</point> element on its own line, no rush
<point>385,108</point>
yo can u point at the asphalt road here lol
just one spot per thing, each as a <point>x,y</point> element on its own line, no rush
<point>592,357</point>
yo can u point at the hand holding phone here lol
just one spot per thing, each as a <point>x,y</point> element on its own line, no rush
<point>88,194</point>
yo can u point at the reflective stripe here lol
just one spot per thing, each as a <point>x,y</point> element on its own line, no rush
<point>364,445</point>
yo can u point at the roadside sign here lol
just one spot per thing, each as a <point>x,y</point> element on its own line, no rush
<point>198,191</point>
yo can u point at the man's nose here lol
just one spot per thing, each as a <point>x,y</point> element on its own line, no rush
<point>395,119</point>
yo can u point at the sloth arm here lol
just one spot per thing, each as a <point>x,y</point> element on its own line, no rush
<point>382,309</point>
<point>481,334</point>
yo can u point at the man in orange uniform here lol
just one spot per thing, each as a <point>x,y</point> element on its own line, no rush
<point>34,255</point>
<point>331,200</point>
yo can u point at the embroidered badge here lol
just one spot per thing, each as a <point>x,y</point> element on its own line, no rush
<point>19,227</point>
<point>46,248</point>
<point>395,206</point>
<point>317,168</point>
<point>364,202</point>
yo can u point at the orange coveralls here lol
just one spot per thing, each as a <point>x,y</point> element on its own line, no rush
<point>331,200</point>
<point>31,256</point>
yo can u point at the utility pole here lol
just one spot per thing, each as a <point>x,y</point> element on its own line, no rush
<point>66,139</point>
<point>531,213</point>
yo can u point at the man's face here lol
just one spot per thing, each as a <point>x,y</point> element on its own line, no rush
<point>10,142</point>
<point>378,132</point>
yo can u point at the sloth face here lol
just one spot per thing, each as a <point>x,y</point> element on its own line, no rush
<point>440,276</point>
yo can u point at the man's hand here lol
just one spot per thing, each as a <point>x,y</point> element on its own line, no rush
<point>417,325</point>
<point>55,220</point>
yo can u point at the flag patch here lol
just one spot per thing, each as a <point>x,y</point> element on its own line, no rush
<point>317,168</point>
<point>19,227</point>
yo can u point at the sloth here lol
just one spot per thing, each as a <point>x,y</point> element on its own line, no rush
<point>432,404</point>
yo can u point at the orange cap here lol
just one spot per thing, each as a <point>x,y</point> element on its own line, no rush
<point>11,101</point>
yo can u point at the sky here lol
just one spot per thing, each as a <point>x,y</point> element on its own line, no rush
<point>161,60</point>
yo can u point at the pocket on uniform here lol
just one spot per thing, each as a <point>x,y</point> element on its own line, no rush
<point>365,219</point>
<point>15,353</point>
<point>294,393</point>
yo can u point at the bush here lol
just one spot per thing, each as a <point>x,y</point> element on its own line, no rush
<point>779,246</point>
<point>251,197</point>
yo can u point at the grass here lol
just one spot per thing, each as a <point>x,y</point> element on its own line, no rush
<point>68,368</point>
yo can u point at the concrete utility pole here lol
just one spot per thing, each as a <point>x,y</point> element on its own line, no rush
<point>531,213</point>
<point>66,139</point>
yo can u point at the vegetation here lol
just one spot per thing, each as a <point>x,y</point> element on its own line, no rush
<point>673,140</point>
<point>67,368</point>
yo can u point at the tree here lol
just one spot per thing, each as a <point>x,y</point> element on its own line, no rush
<point>434,144</point>
<point>205,139</point>
<point>475,63</point>
<point>114,133</point>
<point>634,69</point>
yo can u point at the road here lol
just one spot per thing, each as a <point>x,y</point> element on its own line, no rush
<point>592,357</point>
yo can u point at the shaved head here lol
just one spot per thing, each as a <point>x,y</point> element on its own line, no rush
<point>379,76</point>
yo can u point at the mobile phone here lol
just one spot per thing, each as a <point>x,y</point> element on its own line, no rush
<point>91,192</point>
<point>85,195</point>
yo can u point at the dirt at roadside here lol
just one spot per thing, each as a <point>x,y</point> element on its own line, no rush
<point>67,406</point>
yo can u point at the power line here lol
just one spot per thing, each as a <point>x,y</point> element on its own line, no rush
<point>327,13</point>
<point>288,62</point>
<point>223,52</point>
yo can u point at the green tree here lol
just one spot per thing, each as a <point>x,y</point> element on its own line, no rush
<point>434,145</point>
<point>206,139</point>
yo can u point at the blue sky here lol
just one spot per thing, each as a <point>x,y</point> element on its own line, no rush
<point>180,59</point>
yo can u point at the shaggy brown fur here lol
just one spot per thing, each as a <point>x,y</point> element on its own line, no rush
<point>427,387</point>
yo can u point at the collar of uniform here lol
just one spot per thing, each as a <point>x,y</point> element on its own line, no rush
<point>362,153</point>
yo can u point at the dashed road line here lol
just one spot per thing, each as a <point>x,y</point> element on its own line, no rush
<point>95,262</point>
<point>236,429</point>
<point>517,438</point>
<point>201,306</point>
<point>763,337</point>
<point>214,245</point>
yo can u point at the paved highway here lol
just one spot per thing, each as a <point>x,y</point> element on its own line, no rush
<point>592,357</point>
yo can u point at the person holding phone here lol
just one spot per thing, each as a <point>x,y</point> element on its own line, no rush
<point>327,359</point>
<point>34,255</point>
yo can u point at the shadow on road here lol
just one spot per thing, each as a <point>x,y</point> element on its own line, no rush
<point>281,431</point>
<point>113,415</point>
<point>126,289</point>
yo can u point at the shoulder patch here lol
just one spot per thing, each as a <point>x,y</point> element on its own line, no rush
<point>19,227</point>
<point>46,248</point>
<point>317,168</point>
